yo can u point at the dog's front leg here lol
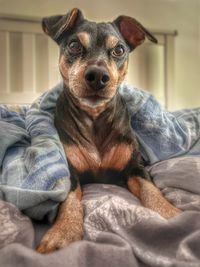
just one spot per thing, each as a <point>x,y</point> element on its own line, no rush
<point>151,197</point>
<point>68,226</point>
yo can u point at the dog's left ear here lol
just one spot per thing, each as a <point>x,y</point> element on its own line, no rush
<point>56,26</point>
<point>132,31</point>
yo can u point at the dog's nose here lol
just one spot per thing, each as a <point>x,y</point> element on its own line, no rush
<point>97,77</point>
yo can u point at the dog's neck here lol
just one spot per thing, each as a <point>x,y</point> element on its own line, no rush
<point>76,125</point>
<point>92,111</point>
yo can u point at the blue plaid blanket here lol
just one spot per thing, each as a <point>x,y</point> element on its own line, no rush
<point>34,173</point>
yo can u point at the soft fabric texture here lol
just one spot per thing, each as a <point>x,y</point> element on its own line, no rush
<point>14,226</point>
<point>119,231</point>
<point>34,174</point>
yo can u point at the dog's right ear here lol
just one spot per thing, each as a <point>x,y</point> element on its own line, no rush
<point>56,26</point>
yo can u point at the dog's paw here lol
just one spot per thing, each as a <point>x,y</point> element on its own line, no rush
<point>172,211</point>
<point>55,240</point>
<point>52,241</point>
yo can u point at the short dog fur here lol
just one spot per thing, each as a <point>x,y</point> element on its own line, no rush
<point>92,119</point>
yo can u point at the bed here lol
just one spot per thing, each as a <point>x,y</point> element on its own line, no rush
<point>118,230</point>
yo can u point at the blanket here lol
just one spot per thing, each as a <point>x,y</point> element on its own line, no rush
<point>118,230</point>
<point>34,174</point>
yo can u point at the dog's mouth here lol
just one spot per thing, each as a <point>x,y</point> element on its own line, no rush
<point>94,100</point>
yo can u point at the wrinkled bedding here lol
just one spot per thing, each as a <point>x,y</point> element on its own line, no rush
<point>119,231</point>
<point>34,174</point>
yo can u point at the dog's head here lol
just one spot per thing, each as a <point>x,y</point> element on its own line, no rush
<point>94,56</point>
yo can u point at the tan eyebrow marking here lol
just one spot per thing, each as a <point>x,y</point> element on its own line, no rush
<point>84,38</point>
<point>111,41</point>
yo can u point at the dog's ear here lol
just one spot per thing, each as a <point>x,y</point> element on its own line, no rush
<point>132,31</point>
<point>56,26</point>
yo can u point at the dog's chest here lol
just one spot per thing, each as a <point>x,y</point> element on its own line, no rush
<point>90,159</point>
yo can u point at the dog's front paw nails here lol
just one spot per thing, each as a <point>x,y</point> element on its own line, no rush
<point>56,238</point>
<point>172,211</point>
<point>52,241</point>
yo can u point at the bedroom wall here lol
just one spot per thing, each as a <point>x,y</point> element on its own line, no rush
<point>182,15</point>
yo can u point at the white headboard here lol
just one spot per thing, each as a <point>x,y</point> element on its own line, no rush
<point>28,64</point>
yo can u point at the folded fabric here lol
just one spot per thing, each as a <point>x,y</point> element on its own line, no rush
<point>34,173</point>
<point>162,134</point>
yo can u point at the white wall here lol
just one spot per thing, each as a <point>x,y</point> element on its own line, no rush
<point>182,15</point>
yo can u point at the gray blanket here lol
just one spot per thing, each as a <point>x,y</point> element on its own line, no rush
<point>119,231</point>
<point>34,174</point>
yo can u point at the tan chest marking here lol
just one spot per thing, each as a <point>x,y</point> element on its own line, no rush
<point>83,160</point>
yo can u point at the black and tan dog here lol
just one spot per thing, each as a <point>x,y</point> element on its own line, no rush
<point>92,119</point>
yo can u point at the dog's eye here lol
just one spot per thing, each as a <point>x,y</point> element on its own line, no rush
<point>75,47</point>
<point>118,51</point>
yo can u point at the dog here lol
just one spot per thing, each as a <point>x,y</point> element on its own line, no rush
<point>92,119</point>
